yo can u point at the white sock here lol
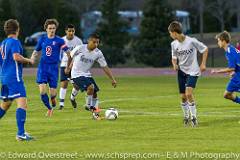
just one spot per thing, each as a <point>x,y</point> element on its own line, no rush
<point>74,93</point>
<point>95,102</point>
<point>62,95</point>
<point>89,100</point>
<point>185,109</point>
<point>193,109</point>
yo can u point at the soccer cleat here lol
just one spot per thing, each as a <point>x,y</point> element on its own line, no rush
<point>185,122</point>
<point>96,116</point>
<point>54,103</point>
<point>49,113</point>
<point>61,107</point>
<point>24,137</point>
<point>74,103</point>
<point>95,109</point>
<point>194,122</point>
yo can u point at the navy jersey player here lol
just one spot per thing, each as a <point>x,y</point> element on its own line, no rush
<point>11,77</point>
<point>71,41</point>
<point>233,58</point>
<point>84,58</point>
<point>50,46</point>
<point>184,60</point>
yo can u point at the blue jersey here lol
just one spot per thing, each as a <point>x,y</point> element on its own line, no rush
<point>50,49</point>
<point>11,70</point>
<point>233,57</point>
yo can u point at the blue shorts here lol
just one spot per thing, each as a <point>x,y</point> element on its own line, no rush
<point>233,86</point>
<point>13,90</point>
<point>83,83</point>
<point>63,75</point>
<point>47,73</point>
<point>185,80</point>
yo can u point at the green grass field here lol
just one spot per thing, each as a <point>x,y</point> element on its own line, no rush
<point>150,121</point>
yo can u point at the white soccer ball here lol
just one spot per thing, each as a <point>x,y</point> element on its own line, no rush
<point>111,114</point>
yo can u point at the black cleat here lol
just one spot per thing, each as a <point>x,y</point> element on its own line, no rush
<point>185,122</point>
<point>74,103</point>
<point>61,107</point>
<point>194,122</point>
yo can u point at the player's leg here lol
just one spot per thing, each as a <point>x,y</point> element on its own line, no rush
<point>63,88</point>
<point>52,77</point>
<point>45,98</point>
<point>190,85</point>
<point>74,93</point>
<point>182,78</point>
<point>6,103</point>
<point>53,95</point>
<point>21,119</point>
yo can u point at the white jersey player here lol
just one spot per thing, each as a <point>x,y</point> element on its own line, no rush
<point>71,41</point>
<point>184,60</point>
<point>84,58</point>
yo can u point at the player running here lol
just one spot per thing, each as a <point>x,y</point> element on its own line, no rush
<point>84,58</point>
<point>71,41</point>
<point>49,45</point>
<point>11,77</point>
<point>233,58</point>
<point>184,61</point>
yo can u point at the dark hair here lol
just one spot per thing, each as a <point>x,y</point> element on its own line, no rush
<point>49,22</point>
<point>94,35</point>
<point>69,26</point>
<point>11,26</point>
<point>224,36</point>
<point>175,26</point>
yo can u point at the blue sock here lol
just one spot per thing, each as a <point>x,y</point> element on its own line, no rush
<point>2,112</point>
<point>237,100</point>
<point>45,100</point>
<point>21,118</point>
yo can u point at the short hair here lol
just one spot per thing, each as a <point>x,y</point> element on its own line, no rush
<point>224,36</point>
<point>69,26</point>
<point>95,35</point>
<point>49,22</point>
<point>11,26</point>
<point>175,26</point>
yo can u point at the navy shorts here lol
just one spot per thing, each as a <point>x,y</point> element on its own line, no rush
<point>186,80</point>
<point>13,90</point>
<point>48,73</point>
<point>63,75</point>
<point>83,83</point>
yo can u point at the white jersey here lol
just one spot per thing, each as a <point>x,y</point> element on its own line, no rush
<point>186,54</point>
<point>84,60</point>
<point>71,44</point>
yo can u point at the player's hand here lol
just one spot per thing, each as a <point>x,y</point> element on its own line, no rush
<point>231,74</point>
<point>203,67</point>
<point>31,61</point>
<point>114,83</point>
<point>67,70</point>
<point>175,67</point>
<point>213,71</point>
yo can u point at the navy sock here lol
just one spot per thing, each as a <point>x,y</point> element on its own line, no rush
<point>45,100</point>
<point>21,118</point>
<point>237,100</point>
<point>2,112</point>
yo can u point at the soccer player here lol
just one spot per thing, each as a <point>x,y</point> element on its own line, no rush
<point>50,46</point>
<point>71,41</point>
<point>184,61</point>
<point>233,57</point>
<point>85,56</point>
<point>11,77</point>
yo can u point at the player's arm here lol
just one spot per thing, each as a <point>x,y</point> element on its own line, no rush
<point>224,70</point>
<point>108,72</point>
<point>204,60</point>
<point>19,58</point>
<point>69,63</point>
<point>174,63</point>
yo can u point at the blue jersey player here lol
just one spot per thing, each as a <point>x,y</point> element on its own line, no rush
<point>50,46</point>
<point>11,77</point>
<point>233,58</point>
